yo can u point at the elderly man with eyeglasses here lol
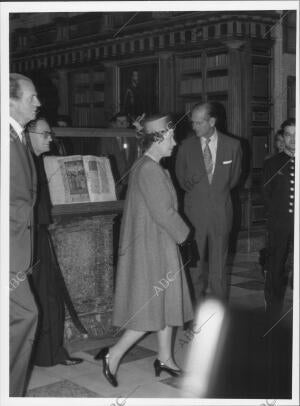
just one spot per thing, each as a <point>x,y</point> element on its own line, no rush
<point>47,281</point>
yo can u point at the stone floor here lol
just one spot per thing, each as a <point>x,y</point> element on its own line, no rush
<point>244,371</point>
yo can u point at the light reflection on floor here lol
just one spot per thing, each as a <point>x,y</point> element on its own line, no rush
<point>136,375</point>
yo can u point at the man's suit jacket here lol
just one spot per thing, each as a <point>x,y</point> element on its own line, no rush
<point>22,199</point>
<point>209,204</point>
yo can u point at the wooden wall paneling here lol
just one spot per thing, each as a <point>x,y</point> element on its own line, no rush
<point>111,105</point>
<point>166,83</point>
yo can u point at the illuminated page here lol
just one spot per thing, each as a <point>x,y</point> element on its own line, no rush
<point>100,180</point>
<point>66,179</point>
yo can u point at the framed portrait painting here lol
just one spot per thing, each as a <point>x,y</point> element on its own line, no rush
<point>138,89</point>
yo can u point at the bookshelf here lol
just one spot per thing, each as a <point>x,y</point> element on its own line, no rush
<point>202,77</point>
<point>217,80</point>
<point>231,57</point>
<point>237,74</point>
<point>217,61</point>
<point>190,83</point>
<point>87,97</point>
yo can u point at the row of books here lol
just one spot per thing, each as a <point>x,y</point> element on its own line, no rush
<point>98,96</point>
<point>82,97</point>
<point>81,78</point>
<point>99,77</point>
<point>88,97</point>
<point>82,117</point>
<point>216,60</point>
<point>192,64</point>
<point>86,117</point>
<point>217,83</point>
<point>192,85</point>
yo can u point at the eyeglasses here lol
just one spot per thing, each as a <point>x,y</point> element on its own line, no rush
<point>46,134</point>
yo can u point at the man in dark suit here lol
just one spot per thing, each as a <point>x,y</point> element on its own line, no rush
<point>208,166</point>
<point>47,283</point>
<point>279,192</point>
<point>23,314</point>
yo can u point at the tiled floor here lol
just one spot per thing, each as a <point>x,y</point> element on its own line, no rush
<point>136,375</point>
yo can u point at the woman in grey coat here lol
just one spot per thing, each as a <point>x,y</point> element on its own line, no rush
<point>151,290</point>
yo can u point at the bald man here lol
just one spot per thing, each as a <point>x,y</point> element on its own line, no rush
<point>208,166</point>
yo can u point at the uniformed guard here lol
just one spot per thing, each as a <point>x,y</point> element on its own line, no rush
<point>279,193</point>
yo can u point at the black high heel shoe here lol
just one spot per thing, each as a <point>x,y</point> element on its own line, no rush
<point>160,366</point>
<point>104,354</point>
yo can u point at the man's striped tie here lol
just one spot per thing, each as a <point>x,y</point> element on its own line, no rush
<point>208,160</point>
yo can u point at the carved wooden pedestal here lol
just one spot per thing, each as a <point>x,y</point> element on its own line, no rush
<point>83,239</point>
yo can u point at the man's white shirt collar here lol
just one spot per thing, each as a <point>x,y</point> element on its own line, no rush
<point>213,138</point>
<point>16,126</point>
